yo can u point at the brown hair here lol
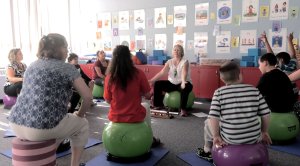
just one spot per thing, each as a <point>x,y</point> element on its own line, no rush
<point>229,71</point>
<point>12,55</point>
<point>50,46</point>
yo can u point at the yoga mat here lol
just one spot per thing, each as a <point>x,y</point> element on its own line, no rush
<point>157,154</point>
<point>293,148</point>
<point>91,142</point>
<point>192,159</point>
<point>8,133</point>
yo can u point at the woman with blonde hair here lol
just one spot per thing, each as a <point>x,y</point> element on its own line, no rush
<point>41,111</point>
<point>14,73</point>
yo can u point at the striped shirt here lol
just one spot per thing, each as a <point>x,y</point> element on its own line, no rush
<point>237,107</point>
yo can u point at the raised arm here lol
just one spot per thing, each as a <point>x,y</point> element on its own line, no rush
<point>162,72</point>
<point>291,48</point>
<point>264,38</point>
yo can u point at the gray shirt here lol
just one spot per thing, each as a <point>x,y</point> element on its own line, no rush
<point>46,91</point>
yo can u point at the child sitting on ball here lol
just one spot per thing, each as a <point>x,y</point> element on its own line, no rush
<point>233,116</point>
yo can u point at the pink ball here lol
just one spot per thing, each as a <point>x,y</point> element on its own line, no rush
<point>9,101</point>
<point>246,155</point>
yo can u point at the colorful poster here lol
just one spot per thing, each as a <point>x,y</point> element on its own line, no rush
<point>106,21</point>
<point>160,41</point>
<point>124,20</point>
<point>139,19</point>
<point>160,17</point>
<point>200,42</point>
<point>279,9</point>
<point>107,44</point>
<point>179,39</point>
<point>294,12</point>
<point>223,42</point>
<point>235,41</point>
<point>247,40</point>
<point>201,14</point>
<point>264,11</point>
<point>250,11</point>
<point>140,42</point>
<point>180,16</point>
<point>277,40</point>
<point>224,12</point>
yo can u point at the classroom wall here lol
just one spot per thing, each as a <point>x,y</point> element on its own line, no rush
<point>263,24</point>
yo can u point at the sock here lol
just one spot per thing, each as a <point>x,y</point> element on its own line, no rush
<point>206,149</point>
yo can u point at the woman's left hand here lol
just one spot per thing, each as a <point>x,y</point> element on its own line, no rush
<point>182,85</point>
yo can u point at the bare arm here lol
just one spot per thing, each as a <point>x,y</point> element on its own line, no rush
<point>215,129</point>
<point>162,72</point>
<point>99,73</point>
<point>185,71</point>
<point>291,48</point>
<point>86,95</point>
<point>294,76</point>
<point>10,73</point>
<point>264,129</point>
<point>264,38</point>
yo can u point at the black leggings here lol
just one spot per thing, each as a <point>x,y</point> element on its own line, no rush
<point>166,86</point>
<point>74,101</point>
<point>13,89</point>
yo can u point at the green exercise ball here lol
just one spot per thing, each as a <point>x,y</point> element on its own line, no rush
<point>172,100</point>
<point>127,139</point>
<point>283,126</point>
<point>98,91</point>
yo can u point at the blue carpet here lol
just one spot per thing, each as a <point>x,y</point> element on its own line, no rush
<point>293,148</point>
<point>192,159</point>
<point>8,133</point>
<point>91,142</point>
<point>157,154</point>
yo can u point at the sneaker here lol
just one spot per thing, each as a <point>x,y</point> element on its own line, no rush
<point>183,113</point>
<point>204,155</point>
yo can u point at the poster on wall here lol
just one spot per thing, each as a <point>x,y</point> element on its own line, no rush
<point>250,11</point>
<point>106,21</point>
<point>200,42</point>
<point>107,44</point>
<point>160,41</point>
<point>125,40</point>
<point>277,40</point>
<point>180,16</point>
<point>124,20</point>
<point>224,12</point>
<point>139,19</point>
<point>201,14</point>
<point>140,42</point>
<point>294,11</point>
<point>247,40</point>
<point>223,42</point>
<point>160,17</point>
<point>279,9</point>
<point>264,11</point>
<point>179,39</point>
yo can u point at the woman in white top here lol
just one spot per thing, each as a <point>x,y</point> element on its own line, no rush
<point>178,80</point>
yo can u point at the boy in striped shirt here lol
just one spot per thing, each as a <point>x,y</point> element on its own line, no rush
<point>233,116</point>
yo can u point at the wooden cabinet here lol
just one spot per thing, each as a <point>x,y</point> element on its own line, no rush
<point>152,70</point>
<point>251,75</point>
<point>209,81</point>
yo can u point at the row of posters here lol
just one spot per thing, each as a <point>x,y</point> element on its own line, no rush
<point>224,41</point>
<point>277,10</point>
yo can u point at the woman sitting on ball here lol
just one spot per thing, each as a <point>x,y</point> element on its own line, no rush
<point>124,87</point>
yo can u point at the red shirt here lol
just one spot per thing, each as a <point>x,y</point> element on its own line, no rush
<point>102,68</point>
<point>125,106</point>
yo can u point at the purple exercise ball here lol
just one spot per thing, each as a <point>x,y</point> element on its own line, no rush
<point>9,101</point>
<point>242,155</point>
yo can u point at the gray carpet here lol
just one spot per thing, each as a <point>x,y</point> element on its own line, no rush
<point>181,134</point>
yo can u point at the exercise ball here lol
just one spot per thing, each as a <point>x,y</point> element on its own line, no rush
<point>9,101</point>
<point>172,100</point>
<point>98,91</point>
<point>283,126</point>
<point>243,155</point>
<point>127,139</point>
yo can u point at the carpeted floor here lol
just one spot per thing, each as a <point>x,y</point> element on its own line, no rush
<point>181,134</point>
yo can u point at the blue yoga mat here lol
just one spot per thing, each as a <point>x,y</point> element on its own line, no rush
<point>157,154</point>
<point>9,133</point>
<point>91,142</point>
<point>293,148</point>
<point>192,159</point>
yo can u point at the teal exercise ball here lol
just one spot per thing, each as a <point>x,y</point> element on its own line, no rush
<point>283,126</point>
<point>172,100</point>
<point>127,139</point>
<point>98,91</point>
